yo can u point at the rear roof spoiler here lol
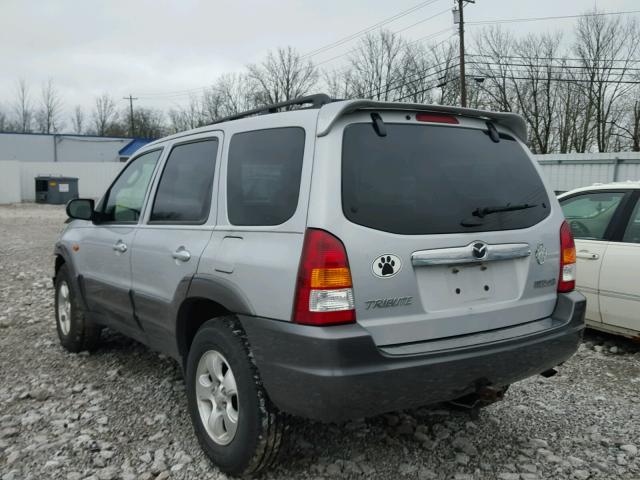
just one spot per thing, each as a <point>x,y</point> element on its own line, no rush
<point>330,113</point>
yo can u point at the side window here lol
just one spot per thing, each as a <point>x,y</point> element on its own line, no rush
<point>589,214</point>
<point>632,233</point>
<point>126,195</point>
<point>184,191</point>
<point>263,178</point>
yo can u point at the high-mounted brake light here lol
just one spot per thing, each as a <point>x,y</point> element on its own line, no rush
<point>567,280</point>
<point>324,293</point>
<point>436,118</point>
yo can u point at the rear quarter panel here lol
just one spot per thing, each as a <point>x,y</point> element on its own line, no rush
<point>262,261</point>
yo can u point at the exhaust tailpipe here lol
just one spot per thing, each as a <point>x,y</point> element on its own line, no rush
<point>549,373</point>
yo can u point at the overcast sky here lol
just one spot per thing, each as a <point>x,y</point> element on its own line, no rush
<point>154,49</point>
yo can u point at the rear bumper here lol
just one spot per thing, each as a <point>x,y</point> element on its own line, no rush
<point>337,373</point>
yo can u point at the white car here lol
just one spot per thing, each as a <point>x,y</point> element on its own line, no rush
<point>605,221</point>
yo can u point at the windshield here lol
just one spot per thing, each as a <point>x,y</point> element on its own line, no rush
<point>425,179</point>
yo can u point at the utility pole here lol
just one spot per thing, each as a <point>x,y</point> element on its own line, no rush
<point>460,21</point>
<point>131,99</point>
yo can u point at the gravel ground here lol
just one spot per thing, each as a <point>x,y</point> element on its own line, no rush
<point>120,413</point>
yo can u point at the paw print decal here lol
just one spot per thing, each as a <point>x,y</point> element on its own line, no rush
<point>386,265</point>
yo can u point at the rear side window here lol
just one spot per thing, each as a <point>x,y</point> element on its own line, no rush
<point>427,179</point>
<point>184,192</point>
<point>263,178</point>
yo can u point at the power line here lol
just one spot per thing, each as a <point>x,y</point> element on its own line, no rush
<point>405,82</point>
<point>618,80</point>
<point>569,80</point>
<point>441,12</point>
<point>420,75</point>
<point>353,50</point>
<point>182,93</point>
<point>519,57</point>
<point>359,33</point>
<point>543,66</point>
<point>556,17</point>
<point>175,92</point>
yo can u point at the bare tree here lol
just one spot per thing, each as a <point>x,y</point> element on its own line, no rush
<point>150,123</point>
<point>77,121</point>
<point>445,72</point>
<point>536,88</point>
<point>104,114</point>
<point>23,108</point>
<point>4,121</point>
<point>376,66</point>
<point>210,108</point>
<point>48,115</point>
<point>283,75</point>
<point>188,117</point>
<point>336,84</point>
<point>418,75</point>
<point>570,114</point>
<point>494,47</point>
<point>236,94</point>
<point>606,47</point>
<point>629,125</point>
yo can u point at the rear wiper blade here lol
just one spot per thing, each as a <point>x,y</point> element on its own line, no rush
<point>484,211</point>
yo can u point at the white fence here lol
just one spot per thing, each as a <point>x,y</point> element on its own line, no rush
<point>17,179</point>
<point>568,171</point>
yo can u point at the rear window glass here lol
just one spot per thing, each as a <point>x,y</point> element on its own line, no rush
<point>263,179</point>
<point>425,179</point>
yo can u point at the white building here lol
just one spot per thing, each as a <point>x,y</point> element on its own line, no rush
<point>65,148</point>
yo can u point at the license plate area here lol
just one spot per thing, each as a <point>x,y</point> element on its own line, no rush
<point>470,283</point>
<point>445,287</point>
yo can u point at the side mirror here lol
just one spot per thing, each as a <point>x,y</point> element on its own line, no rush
<point>80,209</point>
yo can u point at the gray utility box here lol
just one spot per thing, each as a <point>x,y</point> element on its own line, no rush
<point>56,190</point>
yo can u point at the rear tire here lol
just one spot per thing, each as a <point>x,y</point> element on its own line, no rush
<point>75,331</point>
<point>236,424</point>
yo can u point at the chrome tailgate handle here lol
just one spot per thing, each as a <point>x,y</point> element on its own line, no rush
<point>473,253</point>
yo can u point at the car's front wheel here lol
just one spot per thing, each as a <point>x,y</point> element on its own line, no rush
<point>234,420</point>
<point>75,331</point>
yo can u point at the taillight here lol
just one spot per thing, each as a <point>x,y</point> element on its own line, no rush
<point>436,118</point>
<point>567,280</point>
<point>324,293</point>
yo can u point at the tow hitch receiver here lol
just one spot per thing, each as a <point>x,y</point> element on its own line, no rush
<point>483,396</point>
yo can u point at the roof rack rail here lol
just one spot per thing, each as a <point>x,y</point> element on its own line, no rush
<point>316,101</point>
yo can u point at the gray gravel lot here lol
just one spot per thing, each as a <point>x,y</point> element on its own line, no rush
<point>120,413</point>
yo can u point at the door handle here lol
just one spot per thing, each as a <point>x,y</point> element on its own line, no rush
<point>120,246</point>
<point>182,254</point>
<point>586,255</point>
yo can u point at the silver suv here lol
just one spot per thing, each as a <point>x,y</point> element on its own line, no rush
<point>335,260</point>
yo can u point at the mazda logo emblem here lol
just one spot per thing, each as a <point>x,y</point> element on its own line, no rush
<point>479,250</point>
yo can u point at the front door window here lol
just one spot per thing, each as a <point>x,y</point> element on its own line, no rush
<point>589,214</point>
<point>125,198</point>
